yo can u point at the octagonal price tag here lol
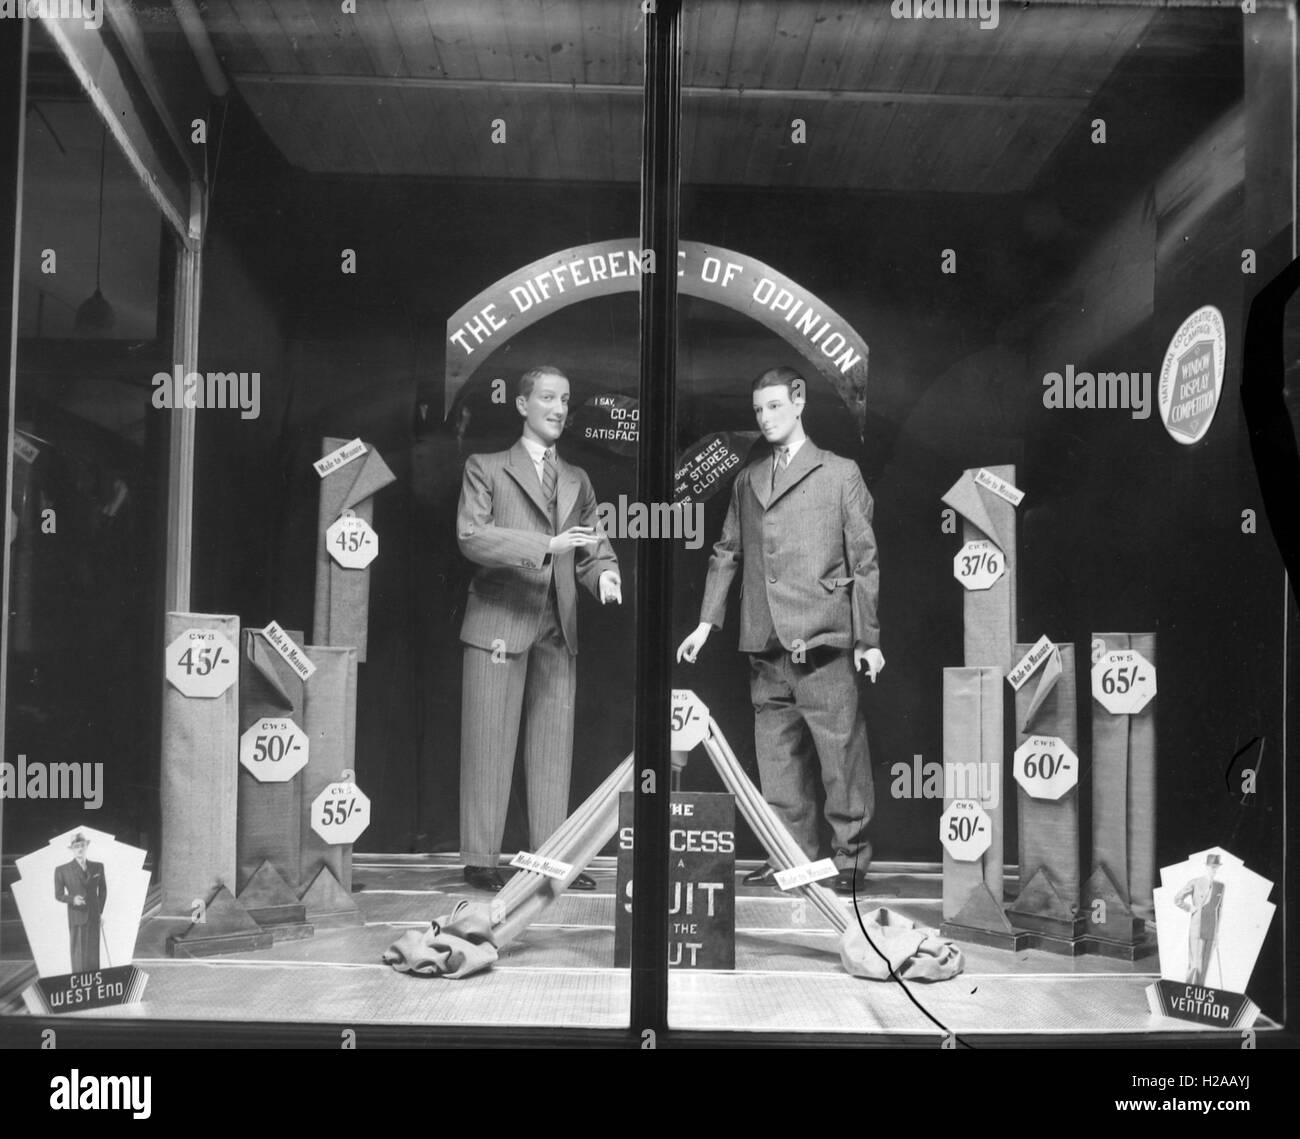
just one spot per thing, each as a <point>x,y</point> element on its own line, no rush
<point>340,813</point>
<point>352,541</point>
<point>979,564</point>
<point>965,830</point>
<point>690,720</point>
<point>201,662</point>
<point>1123,682</point>
<point>1045,767</point>
<point>274,750</point>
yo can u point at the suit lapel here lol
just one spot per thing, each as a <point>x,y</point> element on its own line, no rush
<point>521,469</point>
<point>806,460</point>
<point>566,490</point>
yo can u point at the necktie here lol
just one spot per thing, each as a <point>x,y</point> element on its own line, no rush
<point>782,461</point>
<point>548,474</point>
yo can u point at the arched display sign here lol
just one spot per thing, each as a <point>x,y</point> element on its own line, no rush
<point>742,283</point>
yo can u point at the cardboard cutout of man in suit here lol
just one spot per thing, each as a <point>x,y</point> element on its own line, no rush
<point>82,887</point>
<point>1202,899</point>
<point>528,519</point>
<point>799,529</point>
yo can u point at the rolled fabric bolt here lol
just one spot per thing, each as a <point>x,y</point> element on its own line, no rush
<point>780,842</point>
<point>269,688</point>
<point>1049,828</point>
<point>558,842</point>
<point>1123,787</point>
<point>972,742</point>
<point>342,604</point>
<point>600,828</point>
<point>329,719</point>
<point>514,912</point>
<point>200,780</point>
<point>777,841</point>
<point>988,615</point>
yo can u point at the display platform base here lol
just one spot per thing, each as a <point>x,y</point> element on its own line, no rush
<point>1061,946</point>
<point>1013,940</point>
<point>328,904</point>
<point>223,927</point>
<point>981,921</point>
<point>1201,1004</point>
<point>289,931</point>
<point>1054,928</point>
<point>271,902</point>
<point>1134,950</point>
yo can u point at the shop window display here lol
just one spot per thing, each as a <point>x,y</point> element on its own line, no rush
<point>342,464</point>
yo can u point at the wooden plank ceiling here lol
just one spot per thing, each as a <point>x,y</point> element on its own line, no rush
<point>412,87</point>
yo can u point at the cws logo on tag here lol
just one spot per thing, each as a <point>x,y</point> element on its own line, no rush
<point>1191,376</point>
<point>75,1092</point>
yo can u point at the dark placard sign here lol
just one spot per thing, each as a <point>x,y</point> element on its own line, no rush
<point>73,992</point>
<point>740,282</point>
<point>610,421</point>
<point>710,464</point>
<point>702,869</point>
<point>1202,1004</point>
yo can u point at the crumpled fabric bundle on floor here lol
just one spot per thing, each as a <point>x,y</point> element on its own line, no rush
<point>455,946</point>
<point>914,952</point>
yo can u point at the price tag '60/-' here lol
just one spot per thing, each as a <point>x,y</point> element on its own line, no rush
<point>979,564</point>
<point>1046,767</point>
<point>340,813</point>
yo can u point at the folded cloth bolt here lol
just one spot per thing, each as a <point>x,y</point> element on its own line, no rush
<point>912,951</point>
<point>454,946</point>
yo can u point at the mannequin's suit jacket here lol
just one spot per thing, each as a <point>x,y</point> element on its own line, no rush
<point>505,526</point>
<point>70,880</point>
<point>807,555</point>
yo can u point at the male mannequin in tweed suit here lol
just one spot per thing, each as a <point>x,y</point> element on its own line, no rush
<point>799,528</point>
<point>528,519</point>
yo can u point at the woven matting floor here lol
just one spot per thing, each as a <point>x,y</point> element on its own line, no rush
<point>788,976</point>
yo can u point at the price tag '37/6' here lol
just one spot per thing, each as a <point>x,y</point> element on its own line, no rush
<point>979,564</point>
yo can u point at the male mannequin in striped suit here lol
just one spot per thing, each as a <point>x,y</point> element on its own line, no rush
<point>528,519</point>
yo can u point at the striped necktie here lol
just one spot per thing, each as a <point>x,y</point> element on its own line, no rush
<point>549,479</point>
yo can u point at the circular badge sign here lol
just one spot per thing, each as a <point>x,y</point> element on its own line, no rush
<point>1191,376</point>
